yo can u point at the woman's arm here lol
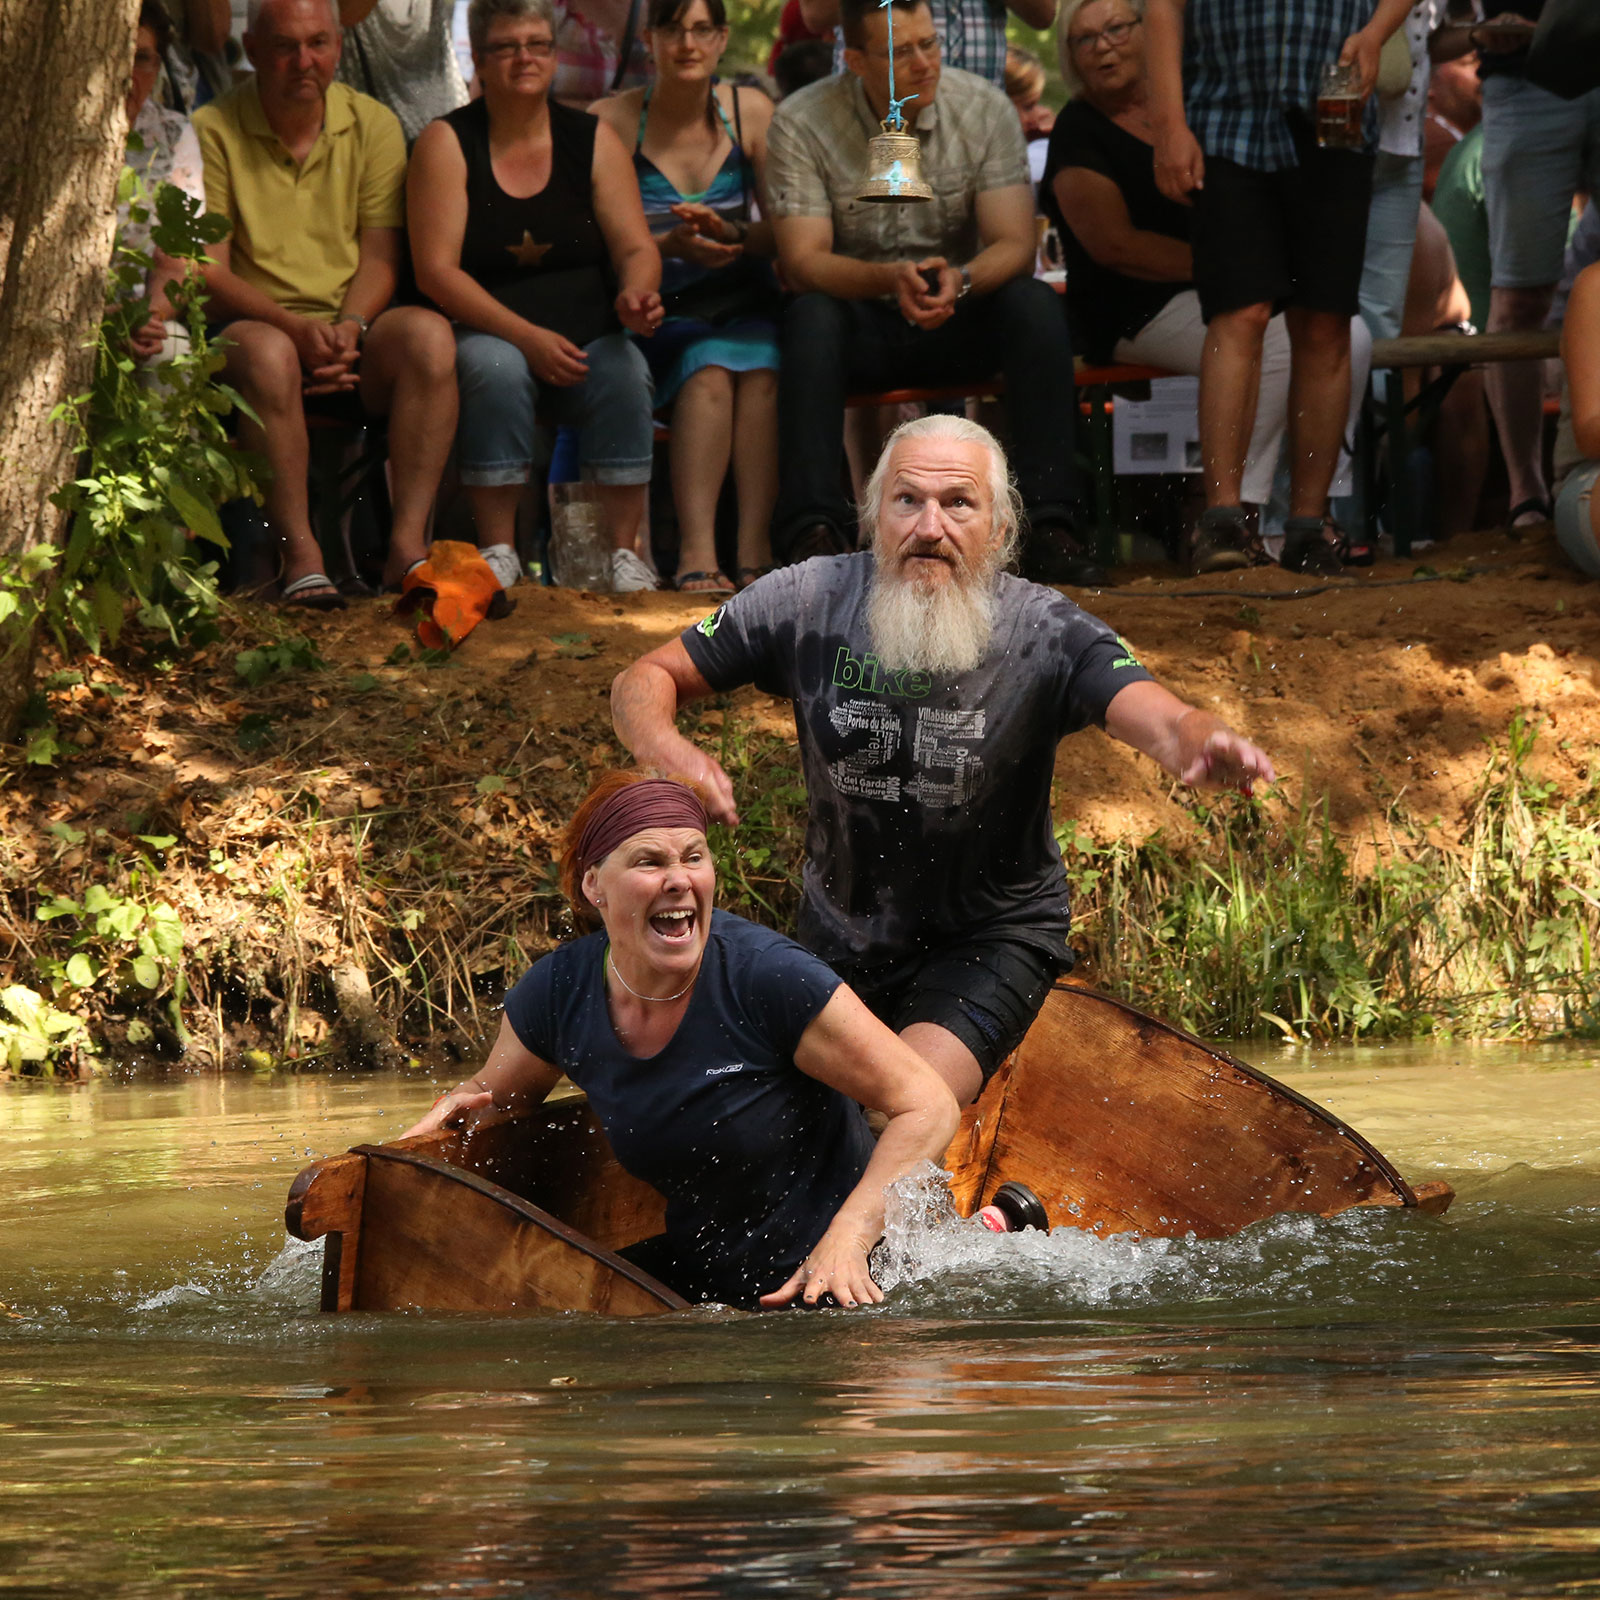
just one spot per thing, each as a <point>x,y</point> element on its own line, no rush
<point>1094,208</point>
<point>512,1079</point>
<point>755,113</point>
<point>849,1049</point>
<point>620,213</point>
<point>436,217</point>
<point>1580,349</point>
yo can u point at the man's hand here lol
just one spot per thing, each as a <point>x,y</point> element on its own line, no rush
<point>1501,35</point>
<point>640,311</point>
<point>148,340</point>
<point>553,359</point>
<point>338,370</point>
<point>1180,164</point>
<point>1216,757</point>
<point>1362,50</point>
<point>836,1267</point>
<point>920,306</point>
<point>687,760</point>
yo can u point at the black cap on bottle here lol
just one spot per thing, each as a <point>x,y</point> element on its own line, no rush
<point>1021,1207</point>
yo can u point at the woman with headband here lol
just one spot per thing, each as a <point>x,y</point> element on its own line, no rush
<point>727,1065</point>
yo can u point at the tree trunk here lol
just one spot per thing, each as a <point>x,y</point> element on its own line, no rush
<point>63,79</point>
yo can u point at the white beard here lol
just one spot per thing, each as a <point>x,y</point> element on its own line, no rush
<point>942,629</point>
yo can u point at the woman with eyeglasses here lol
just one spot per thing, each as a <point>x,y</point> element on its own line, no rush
<point>527,232</point>
<point>1130,297</point>
<point>700,150</point>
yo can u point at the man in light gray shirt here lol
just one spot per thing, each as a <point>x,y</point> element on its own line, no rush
<point>913,295</point>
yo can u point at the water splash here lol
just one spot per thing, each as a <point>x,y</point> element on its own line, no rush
<point>294,1276</point>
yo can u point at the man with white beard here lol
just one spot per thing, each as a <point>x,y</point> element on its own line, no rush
<point>930,688</point>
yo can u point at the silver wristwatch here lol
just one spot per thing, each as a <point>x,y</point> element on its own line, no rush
<point>966,284</point>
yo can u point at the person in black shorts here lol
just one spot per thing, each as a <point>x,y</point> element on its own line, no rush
<point>930,689</point>
<point>1280,223</point>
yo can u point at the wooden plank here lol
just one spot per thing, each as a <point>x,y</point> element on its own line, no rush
<point>1121,1124</point>
<point>1458,349</point>
<point>970,1152</point>
<point>559,1158</point>
<point>326,1198</point>
<point>438,1238</point>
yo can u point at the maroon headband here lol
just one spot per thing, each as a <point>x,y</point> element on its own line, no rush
<point>654,803</point>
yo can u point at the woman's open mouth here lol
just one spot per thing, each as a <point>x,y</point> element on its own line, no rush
<point>675,925</point>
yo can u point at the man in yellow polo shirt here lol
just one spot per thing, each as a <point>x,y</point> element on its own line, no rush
<point>312,176</point>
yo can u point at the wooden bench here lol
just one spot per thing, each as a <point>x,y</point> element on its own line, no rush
<point>1097,387</point>
<point>1405,421</point>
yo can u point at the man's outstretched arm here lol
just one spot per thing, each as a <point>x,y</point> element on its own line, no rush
<point>645,701</point>
<point>1193,745</point>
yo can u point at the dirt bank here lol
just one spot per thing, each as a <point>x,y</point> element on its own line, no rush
<point>359,835</point>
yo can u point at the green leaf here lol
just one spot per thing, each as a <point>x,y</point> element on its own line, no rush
<point>123,920</point>
<point>493,784</point>
<point>398,656</point>
<point>97,899</point>
<point>146,972</point>
<point>166,932</point>
<point>65,831</point>
<point>158,841</point>
<point>197,516</point>
<point>81,970</point>
<point>43,747</point>
<point>58,906</point>
<point>362,683</point>
<point>139,1032</point>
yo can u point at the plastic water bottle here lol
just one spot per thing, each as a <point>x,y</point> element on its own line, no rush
<point>1015,1207</point>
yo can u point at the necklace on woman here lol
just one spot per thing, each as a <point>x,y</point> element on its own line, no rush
<point>659,999</point>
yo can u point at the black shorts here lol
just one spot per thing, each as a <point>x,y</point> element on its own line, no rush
<point>1291,238</point>
<point>986,992</point>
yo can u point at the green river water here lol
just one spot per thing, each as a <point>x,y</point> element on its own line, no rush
<point>1374,1404</point>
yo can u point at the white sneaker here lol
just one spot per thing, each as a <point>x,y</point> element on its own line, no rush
<point>629,575</point>
<point>502,561</point>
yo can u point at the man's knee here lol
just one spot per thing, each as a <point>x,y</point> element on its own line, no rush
<point>814,322</point>
<point>263,364</point>
<point>1242,322</point>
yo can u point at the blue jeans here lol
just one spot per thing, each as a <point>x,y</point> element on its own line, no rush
<point>1391,234</point>
<point>500,398</point>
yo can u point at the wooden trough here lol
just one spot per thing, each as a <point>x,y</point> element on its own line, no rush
<point>1118,1122</point>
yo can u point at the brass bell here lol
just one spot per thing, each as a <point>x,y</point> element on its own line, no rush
<point>894,168</point>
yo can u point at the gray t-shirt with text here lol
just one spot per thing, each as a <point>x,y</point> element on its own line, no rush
<point>930,797</point>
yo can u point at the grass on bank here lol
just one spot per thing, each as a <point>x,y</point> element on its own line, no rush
<point>267,859</point>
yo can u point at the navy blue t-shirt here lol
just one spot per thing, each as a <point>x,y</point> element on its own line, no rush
<point>753,1156</point>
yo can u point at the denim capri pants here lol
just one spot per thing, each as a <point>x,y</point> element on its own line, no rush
<point>500,396</point>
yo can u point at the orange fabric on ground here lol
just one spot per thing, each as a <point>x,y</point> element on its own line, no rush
<point>455,590</point>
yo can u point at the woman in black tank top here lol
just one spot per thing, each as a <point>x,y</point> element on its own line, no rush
<point>527,231</point>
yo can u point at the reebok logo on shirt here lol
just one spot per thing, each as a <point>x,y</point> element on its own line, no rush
<point>718,1072</point>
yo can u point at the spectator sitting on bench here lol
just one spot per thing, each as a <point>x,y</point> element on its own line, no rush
<point>1129,263</point>
<point>526,227</point>
<point>923,295</point>
<point>312,175</point>
<point>1578,443</point>
<point>700,151</point>
<point>162,148</point>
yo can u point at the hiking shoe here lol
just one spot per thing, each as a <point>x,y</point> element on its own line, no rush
<point>1223,541</point>
<point>502,561</point>
<point>1052,553</point>
<point>1315,545</point>
<point>629,575</point>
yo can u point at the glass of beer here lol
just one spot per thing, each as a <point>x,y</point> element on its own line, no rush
<point>1339,103</point>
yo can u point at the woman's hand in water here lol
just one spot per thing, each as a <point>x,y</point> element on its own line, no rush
<point>449,1109</point>
<point>837,1267</point>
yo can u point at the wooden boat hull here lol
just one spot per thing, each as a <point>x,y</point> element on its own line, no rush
<point>1118,1122</point>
